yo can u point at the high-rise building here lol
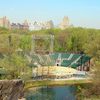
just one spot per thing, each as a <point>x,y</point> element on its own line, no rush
<point>35,26</point>
<point>49,24</point>
<point>4,22</point>
<point>25,25</point>
<point>65,23</point>
<point>16,26</point>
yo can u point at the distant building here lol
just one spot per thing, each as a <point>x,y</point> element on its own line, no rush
<point>40,26</point>
<point>16,26</point>
<point>31,27</point>
<point>49,24</point>
<point>23,26</point>
<point>65,23</point>
<point>4,22</point>
<point>35,26</point>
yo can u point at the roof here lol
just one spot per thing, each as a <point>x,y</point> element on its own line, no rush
<point>64,59</point>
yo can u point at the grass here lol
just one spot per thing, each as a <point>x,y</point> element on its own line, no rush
<point>31,83</point>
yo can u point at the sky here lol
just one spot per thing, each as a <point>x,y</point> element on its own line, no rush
<point>82,13</point>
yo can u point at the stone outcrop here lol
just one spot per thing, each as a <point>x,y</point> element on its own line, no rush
<point>10,89</point>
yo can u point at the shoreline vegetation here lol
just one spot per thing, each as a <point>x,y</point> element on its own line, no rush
<point>30,84</point>
<point>79,83</point>
<point>52,83</point>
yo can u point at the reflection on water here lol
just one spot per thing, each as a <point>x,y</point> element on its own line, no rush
<point>52,93</point>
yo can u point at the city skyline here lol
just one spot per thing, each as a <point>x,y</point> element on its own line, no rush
<point>6,23</point>
<point>84,13</point>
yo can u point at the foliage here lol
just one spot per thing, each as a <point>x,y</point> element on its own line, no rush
<point>15,65</point>
<point>25,43</point>
<point>68,40</point>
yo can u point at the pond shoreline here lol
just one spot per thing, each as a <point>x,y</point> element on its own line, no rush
<point>37,83</point>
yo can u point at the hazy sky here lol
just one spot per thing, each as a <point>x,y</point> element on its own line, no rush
<point>84,13</point>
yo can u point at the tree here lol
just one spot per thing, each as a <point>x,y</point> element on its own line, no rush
<point>76,40</point>
<point>16,65</point>
<point>93,49</point>
<point>25,43</point>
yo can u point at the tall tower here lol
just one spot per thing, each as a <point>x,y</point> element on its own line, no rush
<point>65,23</point>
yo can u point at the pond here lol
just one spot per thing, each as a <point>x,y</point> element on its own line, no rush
<point>51,93</point>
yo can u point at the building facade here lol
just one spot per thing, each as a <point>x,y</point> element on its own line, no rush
<point>41,25</point>
<point>4,22</point>
<point>24,26</point>
<point>65,23</point>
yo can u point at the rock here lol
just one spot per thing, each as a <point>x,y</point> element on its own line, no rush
<point>22,99</point>
<point>10,89</point>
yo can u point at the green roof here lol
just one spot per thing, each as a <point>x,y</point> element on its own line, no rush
<point>67,59</point>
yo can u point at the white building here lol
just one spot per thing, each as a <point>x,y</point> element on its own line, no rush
<point>34,26</point>
<point>42,25</point>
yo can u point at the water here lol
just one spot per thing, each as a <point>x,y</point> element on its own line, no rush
<point>52,93</point>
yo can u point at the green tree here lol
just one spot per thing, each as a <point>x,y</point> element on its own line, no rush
<point>25,43</point>
<point>16,66</point>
